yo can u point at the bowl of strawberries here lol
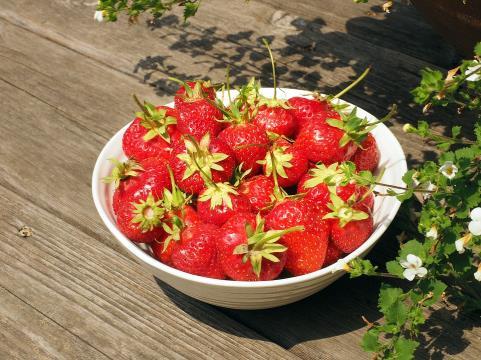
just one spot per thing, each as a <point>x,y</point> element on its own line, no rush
<point>250,198</point>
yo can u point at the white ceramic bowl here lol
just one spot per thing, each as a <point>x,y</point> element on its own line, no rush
<point>262,294</point>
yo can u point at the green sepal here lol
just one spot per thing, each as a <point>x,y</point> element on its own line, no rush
<point>218,194</point>
<point>279,159</point>
<point>154,120</point>
<point>148,213</point>
<point>342,211</point>
<point>122,171</point>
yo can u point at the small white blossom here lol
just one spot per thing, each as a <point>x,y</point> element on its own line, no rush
<point>413,266</point>
<point>474,225</point>
<point>470,69</point>
<point>430,187</point>
<point>448,169</point>
<point>433,232</point>
<point>407,127</point>
<point>477,274</point>
<point>462,242</point>
<point>99,16</point>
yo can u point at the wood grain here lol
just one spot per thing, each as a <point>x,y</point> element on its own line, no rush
<point>66,85</point>
<point>103,299</point>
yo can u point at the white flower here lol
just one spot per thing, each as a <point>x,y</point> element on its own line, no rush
<point>413,267</point>
<point>407,127</point>
<point>430,187</point>
<point>461,243</point>
<point>471,69</point>
<point>433,232</point>
<point>448,169</point>
<point>99,16</point>
<point>474,225</point>
<point>477,274</point>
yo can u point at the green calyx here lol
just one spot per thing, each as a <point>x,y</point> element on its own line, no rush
<point>148,213</point>
<point>218,194</point>
<point>278,159</point>
<point>356,129</point>
<point>198,158</point>
<point>262,244</point>
<point>154,120</point>
<point>122,171</point>
<point>343,211</point>
<point>249,94</point>
<point>331,175</point>
<point>273,102</point>
<point>174,199</point>
<point>197,92</point>
<point>173,231</point>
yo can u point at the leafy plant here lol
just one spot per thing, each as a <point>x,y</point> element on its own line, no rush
<point>442,260</point>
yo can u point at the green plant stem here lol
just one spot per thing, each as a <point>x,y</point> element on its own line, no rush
<point>353,84</point>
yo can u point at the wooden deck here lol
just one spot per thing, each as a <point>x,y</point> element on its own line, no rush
<point>69,291</point>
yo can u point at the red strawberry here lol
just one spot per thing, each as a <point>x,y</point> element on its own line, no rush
<point>306,251</point>
<point>322,142</point>
<point>248,142</point>
<point>275,117</point>
<point>288,213</point>
<point>285,161</point>
<point>197,113</point>
<point>163,252</point>
<point>250,254</point>
<point>219,202</point>
<point>367,155</point>
<point>196,251</point>
<point>134,181</point>
<point>315,186</point>
<point>142,221</point>
<point>259,190</point>
<point>304,109</point>
<point>193,163</point>
<point>332,255</point>
<point>241,219</point>
<point>152,133</point>
<point>350,228</point>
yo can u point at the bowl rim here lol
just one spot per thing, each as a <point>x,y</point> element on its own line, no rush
<point>141,255</point>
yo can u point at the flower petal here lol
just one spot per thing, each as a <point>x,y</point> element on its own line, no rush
<point>459,245</point>
<point>421,272</point>
<point>404,264</point>
<point>477,275</point>
<point>415,260</point>
<point>409,274</point>
<point>476,214</point>
<point>475,227</point>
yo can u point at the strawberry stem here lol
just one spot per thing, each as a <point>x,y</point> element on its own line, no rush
<point>273,66</point>
<point>353,84</point>
<point>227,82</point>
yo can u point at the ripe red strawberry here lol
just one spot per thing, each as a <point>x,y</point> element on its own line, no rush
<point>152,133</point>
<point>322,142</point>
<point>275,117</point>
<point>304,109</point>
<point>306,251</point>
<point>250,254</point>
<point>350,228</point>
<point>367,155</point>
<point>142,221</point>
<point>332,255</point>
<point>134,181</point>
<point>194,163</point>
<point>285,161</point>
<point>241,219</point>
<point>196,251</point>
<point>260,192</point>
<point>219,202</point>
<point>315,186</point>
<point>197,113</point>
<point>248,142</point>
<point>288,213</point>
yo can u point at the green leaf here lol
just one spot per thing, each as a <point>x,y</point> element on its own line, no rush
<point>412,247</point>
<point>370,341</point>
<point>190,9</point>
<point>404,348</point>
<point>391,305</point>
<point>393,267</point>
<point>477,49</point>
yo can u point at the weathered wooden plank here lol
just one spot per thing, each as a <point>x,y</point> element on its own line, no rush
<point>28,334</point>
<point>107,300</point>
